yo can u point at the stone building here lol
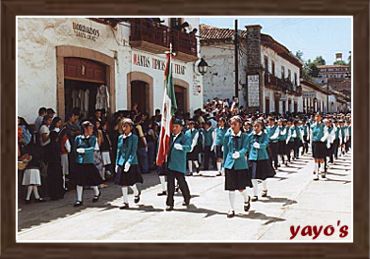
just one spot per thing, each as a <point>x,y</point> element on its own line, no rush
<point>62,62</point>
<point>268,73</point>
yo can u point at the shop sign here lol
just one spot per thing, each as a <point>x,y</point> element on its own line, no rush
<point>156,63</point>
<point>253,90</point>
<point>86,32</point>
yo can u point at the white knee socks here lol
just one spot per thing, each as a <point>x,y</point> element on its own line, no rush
<point>29,192</point>
<point>317,168</point>
<point>245,195</point>
<point>36,192</point>
<point>96,190</point>
<point>190,165</point>
<point>219,166</point>
<point>125,194</point>
<point>255,187</point>
<point>162,179</point>
<point>232,199</point>
<point>136,191</point>
<point>196,164</point>
<point>264,185</point>
<point>102,174</point>
<point>79,190</point>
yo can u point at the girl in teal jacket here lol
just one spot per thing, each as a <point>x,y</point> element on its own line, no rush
<point>237,177</point>
<point>128,173</point>
<point>261,168</point>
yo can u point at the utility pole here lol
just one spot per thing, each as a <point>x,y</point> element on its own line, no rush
<point>236,59</point>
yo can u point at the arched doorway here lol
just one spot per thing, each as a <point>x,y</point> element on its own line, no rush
<point>82,68</point>
<point>140,91</point>
<point>182,94</point>
<point>139,95</point>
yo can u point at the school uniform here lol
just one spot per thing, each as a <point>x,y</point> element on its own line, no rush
<point>176,167</point>
<point>127,154</point>
<point>237,176</point>
<point>347,138</point>
<point>219,140</point>
<point>336,142</point>
<point>193,135</point>
<point>85,172</point>
<point>318,144</point>
<point>209,155</point>
<point>330,143</point>
<point>258,156</point>
<point>273,135</point>
<point>290,141</point>
<point>282,147</point>
<point>305,138</point>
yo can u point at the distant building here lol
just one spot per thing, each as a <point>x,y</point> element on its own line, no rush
<point>268,73</point>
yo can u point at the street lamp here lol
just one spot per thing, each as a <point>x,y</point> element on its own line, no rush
<point>202,66</point>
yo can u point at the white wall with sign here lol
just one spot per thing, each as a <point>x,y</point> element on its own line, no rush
<point>253,83</point>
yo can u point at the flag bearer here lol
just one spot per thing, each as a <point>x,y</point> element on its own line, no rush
<point>85,172</point>
<point>193,155</point>
<point>218,143</point>
<point>176,164</point>
<point>127,168</point>
<point>261,168</point>
<point>237,176</point>
<point>273,134</point>
<point>318,145</point>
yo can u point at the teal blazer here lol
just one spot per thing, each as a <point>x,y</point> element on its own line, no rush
<point>317,130</point>
<point>230,146</point>
<point>127,150</point>
<point>283,137</point>
<point>220,134</point>
<point>258,153</point>
<point>89,145</point>
<point>176,159</point>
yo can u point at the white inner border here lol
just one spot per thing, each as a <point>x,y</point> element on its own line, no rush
<point>181,241</point>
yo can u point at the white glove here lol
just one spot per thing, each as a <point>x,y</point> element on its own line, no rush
<point>80,150</point>
<point>178,146</point>
<point>222,148</point>
<point>212,147</point>
<point>117,166</point>
<point>236,155</point>
<point>256,145</point>
<point>127,167</point>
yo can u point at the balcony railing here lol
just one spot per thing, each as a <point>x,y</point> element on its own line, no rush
<point>149,35</point>
<point>284,85</point>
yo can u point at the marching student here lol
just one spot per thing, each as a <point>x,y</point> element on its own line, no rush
<point>127,166</point>
<point>261,168</point>
<point>218,143</point>
<point>291,135</point>
<point>247,127</point>
<point>347,136</point>
<point>85,172</point>
<point>297,139</point>
<point>342,135</point>
<point>336,139</point>
<point>318,138</point>
<point>273,134</point>
<point>65,150</point>
<point>193,155</point>
<point>237,176</point>
<point>208,141</point>
<point>283,134</point>
<point>305,137</point>
<point>329,142</point>
<point>176,164</point>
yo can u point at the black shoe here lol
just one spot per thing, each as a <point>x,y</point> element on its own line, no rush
<point>125,206</point>
<point>137,198</point>
<point>27,201</point>
<point>231,214</point>
<point>264,193</point>
<point>189,174</point>
<point>197,169</point>
<point>162,193</point>
<point>247,204</point>
<point>169,208</point>
<point>96,197</point>
<point>219,174</point>
<point>77,204</point>
<point>255,198</point>
<point>186,202</point>
<point>40,200</point>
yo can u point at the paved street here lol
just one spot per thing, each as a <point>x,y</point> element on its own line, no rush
<point>294,199</point>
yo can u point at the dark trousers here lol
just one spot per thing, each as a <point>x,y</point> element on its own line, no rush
<point>305,145</point>
<point>296,146</point>
<point>180,177</point>
<point>209,155</point>
<point>335,148</point>
<point>273,152</point>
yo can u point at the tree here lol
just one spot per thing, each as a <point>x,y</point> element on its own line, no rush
<point>339,62</point>
<point>319,61</point>
<point>310,69</point>
<point>299,55</point>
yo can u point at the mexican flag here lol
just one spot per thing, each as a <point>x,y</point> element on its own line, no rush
<point>169,108</point>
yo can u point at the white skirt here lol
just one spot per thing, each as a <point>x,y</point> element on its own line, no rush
<point>65,163</point>
<point>106,158</point>
<point>31,177</point>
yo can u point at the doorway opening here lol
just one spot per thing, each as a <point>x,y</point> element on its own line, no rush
<point>139,95</point>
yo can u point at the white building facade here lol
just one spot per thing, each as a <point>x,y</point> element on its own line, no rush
<point>60,59</point>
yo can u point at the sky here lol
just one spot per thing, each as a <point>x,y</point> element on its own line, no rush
<point>323,36</point>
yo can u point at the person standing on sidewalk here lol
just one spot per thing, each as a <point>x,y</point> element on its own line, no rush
<point>176,164</point>
<point>261,168</point>
<point>318,145</point>
<point>193,155</point>
<point>237,176</point>
<point>85,172</point>
<point>127,166</point>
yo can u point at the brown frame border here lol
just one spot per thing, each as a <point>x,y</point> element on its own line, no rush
<point>358,8</point>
